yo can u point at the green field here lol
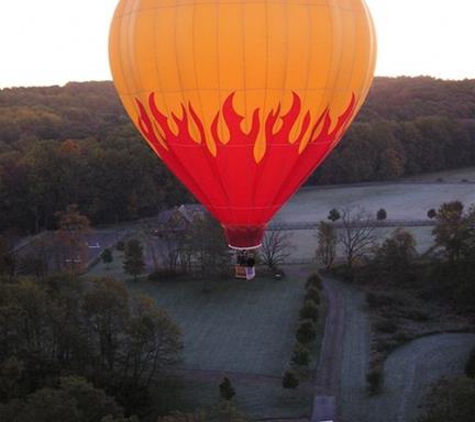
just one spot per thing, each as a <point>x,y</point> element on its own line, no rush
<point>244,330</point>
<point>239,329</point>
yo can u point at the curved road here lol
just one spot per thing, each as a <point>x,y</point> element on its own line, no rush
<point>411,368</point>
<point>341,376</point>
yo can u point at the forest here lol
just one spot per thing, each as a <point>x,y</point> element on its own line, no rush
<point>75,145</point>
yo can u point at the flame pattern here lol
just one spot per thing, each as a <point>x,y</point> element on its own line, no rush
<point>243,175</point>
<point>275,129</point>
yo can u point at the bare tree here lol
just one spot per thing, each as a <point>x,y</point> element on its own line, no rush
<point>327,239</point>
<point>276,247</point>
<point>73,228</point>
<point>146,230</point>
<point>211,255</point>
<point>170,244</point>
<point>357,234</point>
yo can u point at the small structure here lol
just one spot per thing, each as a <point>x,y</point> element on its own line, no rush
<point>178,219</point>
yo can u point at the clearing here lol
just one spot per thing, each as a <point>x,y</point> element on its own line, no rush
<point>242,330</point>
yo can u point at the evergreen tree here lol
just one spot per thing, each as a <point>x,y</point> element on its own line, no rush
<point>334,215</point>
<point>133,263</point>
<point>290,381</point>
<point>327,239</point>
<point>381,214</point>
<point>107,257</point>
<point>226,389</point>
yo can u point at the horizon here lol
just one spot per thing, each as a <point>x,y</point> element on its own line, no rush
<point>110,80</point>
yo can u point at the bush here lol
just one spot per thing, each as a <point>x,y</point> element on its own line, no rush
<point>402,337</point>
<point>226,389</point>
<point>309,311</point>
<point>290,380</point>
<point>106,256</point>
<point>418,316</point>
<point>120,246</point>
<point>334,215</point>
<point>306,332</point>
<point>314,281</point>
<point>313,294</point>
<point>386,326</point>
<point>387,346</point>
<point>374,380</point>
<point>470,365</point>
<point>301,355</point>
<point>162,275</point>
<point>375,300</point>
<point>381,214</point>
<point>450,400</point>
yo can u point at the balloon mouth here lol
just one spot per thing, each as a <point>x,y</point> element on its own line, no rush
<point>244,238</point>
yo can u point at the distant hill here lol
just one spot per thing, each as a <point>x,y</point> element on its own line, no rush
<point>407,126</point>
<point>75,144</point>
<point>405,98</point>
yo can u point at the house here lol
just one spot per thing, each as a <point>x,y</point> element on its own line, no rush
<point>178,219</point>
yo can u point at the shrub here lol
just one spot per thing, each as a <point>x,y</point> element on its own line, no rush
<point>386,326</point>
<point>450,400</point>
<point>162,275</point>
<point>290,380</point>
<point>309,311</point>
<point>387,346</point>
<point>334,215</point>
<point>381,214</point>
<point>301,355</point>
<point>306,332</point>
<point>314,281</point>
<point>375,300</point>
<point>402,337</point>
<point>106,256</point>
<point>418,316</point>
<point>313,294</point>
<point>470,365</point>
<point>374,380</point>
<point>226,389</point>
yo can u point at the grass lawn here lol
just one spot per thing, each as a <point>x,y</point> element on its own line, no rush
<point>242,330</point>
<point>236,326</point>
<point>114,269</point>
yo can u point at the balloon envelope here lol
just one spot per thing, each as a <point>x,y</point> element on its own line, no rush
<point>242,100</point>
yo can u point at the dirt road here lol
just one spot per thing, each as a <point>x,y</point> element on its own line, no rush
<point>408,371</point>
<point>329,366</point>
<point>411,368</point>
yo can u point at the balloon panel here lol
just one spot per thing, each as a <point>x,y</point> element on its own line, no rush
<point>242,99</point>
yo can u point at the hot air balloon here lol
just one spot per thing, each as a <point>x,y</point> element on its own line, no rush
<point>242,99</point>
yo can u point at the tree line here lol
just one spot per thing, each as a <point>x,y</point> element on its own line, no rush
<point>75,144</point>
<point>446,269</point>
<point>76,350</point>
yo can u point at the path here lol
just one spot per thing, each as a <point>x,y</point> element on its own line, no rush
<point>324,405</point>
<point>411,368</point>
<point>408,371</point>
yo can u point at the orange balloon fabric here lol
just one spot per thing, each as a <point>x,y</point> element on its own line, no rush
<point>242,100</point>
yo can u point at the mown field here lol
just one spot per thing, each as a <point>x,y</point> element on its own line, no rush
<point>402,201</point>
<point>242,330</point>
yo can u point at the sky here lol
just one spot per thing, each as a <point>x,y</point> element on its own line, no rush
<point>52,42</point>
